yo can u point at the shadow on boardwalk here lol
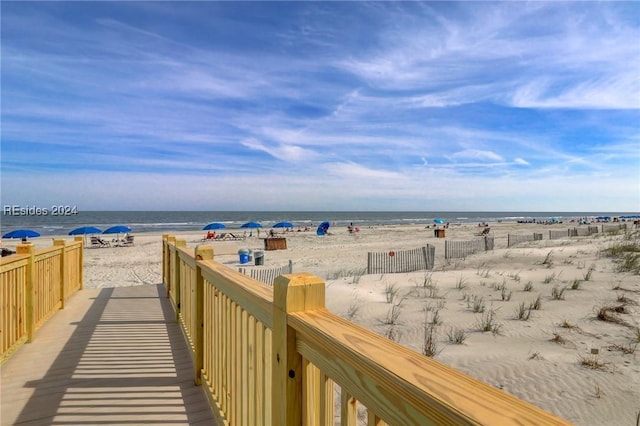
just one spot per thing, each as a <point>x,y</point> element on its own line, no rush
<point>113,356</point>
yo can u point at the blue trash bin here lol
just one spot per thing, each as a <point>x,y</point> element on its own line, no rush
<point>244,255</point>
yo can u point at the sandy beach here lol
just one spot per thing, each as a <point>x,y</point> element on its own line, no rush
<point>524,319</point>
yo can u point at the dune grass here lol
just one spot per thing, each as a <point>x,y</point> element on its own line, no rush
<point>626,254</point>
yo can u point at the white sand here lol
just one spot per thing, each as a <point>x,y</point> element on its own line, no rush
<point>522,358</point>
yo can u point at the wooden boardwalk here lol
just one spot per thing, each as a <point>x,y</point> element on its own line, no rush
<point>113,356</point>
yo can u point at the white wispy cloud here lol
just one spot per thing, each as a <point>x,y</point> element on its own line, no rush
<point>289,153</point>
<point>621,91</point>
<point>476,154</point>
<point>351,170</point>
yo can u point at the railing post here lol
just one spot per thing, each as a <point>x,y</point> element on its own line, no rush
<point>165,264</point>
<point>202,252</point>
<point>292,293</point>
<point>59,242</point>
<point>80,239</point>
<point>171,241</point>
<point>30,289</point>
<point>177,287</point>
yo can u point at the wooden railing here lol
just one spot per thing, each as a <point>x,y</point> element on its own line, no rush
<point>34,285</point>
<point>271,356</point>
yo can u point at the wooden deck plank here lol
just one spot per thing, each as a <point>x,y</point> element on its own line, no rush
<point>112,356</point>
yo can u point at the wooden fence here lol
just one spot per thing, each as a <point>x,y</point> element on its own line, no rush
<point>267,275</point>
<point>272,355</point>
<point>34,284</point>
<point>614,227</point>
<point>459,249</point>
<point>556,234</point>
<point>401,260</point>
<point>583,232</point>
<point>514,239</point>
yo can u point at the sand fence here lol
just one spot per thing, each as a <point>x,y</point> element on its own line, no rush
<point>460,249</point>
<point>398,261</point>
<point>267,275</point>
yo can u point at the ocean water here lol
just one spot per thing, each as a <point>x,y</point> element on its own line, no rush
<point>172,221</point>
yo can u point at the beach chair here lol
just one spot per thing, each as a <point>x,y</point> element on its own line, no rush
<point>128,241</point>
<point>97,242</point>
<point>7,252</point>
<point>210,236</point>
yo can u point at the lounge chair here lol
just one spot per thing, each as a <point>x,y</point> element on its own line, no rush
<point>210,236</point>
<point>98,242</point>
<point>128,241</point>
<point>228,236</point>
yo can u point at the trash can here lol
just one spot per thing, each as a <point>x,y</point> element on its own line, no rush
<point>259,257</point>
<point>244,255</point>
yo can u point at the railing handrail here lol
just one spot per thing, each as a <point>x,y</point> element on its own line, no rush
<point>6,262</point>
<point>310,347</point>
<point>48,252</point>
<point>242,289</point>
<point>186,255</point>
<point>423,390</point>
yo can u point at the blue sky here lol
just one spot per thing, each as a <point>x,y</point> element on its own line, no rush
<point>321,105</point>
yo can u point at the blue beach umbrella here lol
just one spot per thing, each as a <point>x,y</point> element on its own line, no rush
<point>283,225</point>
<point>323,228</point>
<point>214,225</point>
<point>251,225</point>
<point>120,229</point>
<point>438,221</point>
<point>83,230</point>
<point>21,233</point>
